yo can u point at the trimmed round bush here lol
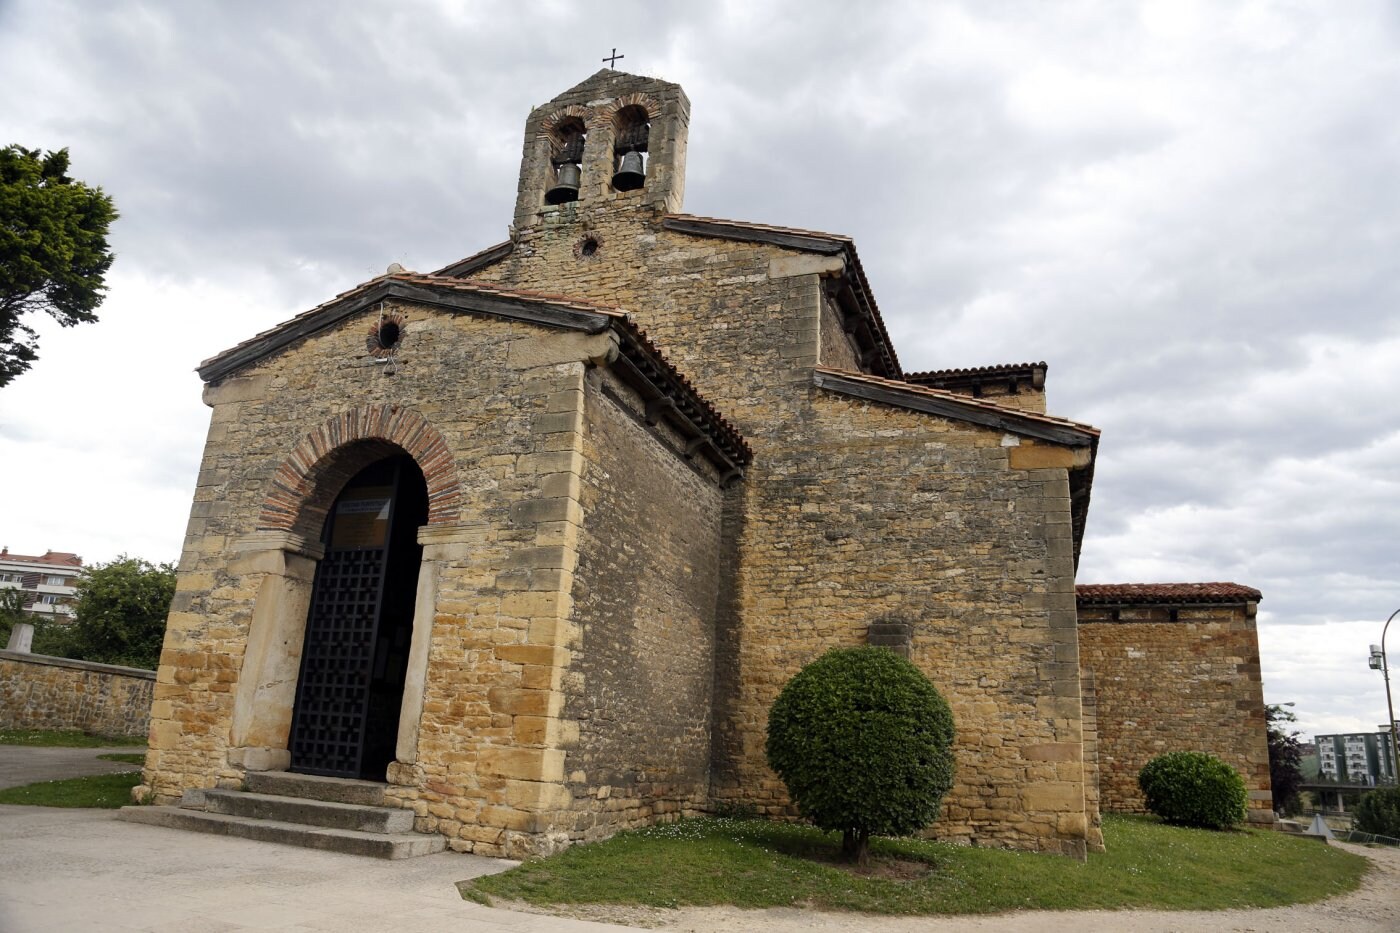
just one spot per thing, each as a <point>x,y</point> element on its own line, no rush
<point>1193,789</point>
<point>863,741</point>
<point>1378,812</point>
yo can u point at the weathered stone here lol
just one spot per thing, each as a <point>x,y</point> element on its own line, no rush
<point>614,586</point>
<point>38,692</point>
<point>1146,660</point>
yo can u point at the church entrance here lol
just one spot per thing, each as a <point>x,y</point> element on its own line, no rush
<point>345,720</point>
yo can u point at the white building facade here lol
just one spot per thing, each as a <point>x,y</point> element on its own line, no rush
<point>47,582</point>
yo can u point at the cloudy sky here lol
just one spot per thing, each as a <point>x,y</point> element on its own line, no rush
<point>1191,211</point>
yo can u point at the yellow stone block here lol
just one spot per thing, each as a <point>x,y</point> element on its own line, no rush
<point>1053,795</point>
<point>533,654</point>
<point>525,764</point>
<point>1039,457</point>
<point>517,701</point>
<point>537,795</point>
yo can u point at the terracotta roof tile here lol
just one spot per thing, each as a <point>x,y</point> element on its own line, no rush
<point>60,558</point>
<point>973,371</point>
<point>961,399</point>
<point>477,260</point>
<point>764,228</point>
<point>1098,593</point>
<point>720,423</point>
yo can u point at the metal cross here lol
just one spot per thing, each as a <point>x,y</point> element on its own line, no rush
<point>613,59</point>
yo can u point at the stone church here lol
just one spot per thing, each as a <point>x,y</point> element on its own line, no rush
<point>529,544</point>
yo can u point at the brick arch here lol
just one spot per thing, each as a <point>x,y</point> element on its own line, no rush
<point>324,460</point>
<point>550,124</point>
<point>612,108</point>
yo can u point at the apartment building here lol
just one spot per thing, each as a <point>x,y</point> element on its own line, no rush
<point>48,582</point>
<point>1356,757</point>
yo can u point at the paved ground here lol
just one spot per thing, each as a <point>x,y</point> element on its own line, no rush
<point>81,870</point>
<point>21,764</point>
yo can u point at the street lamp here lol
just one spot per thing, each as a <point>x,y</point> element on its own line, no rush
<point>1378,663</point>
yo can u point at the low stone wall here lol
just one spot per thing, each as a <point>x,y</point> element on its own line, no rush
<point>38,692</point>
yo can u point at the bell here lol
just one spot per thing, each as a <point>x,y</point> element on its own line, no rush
<point>566,188</point>
<point>631,175</point>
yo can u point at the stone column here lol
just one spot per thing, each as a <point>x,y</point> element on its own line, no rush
<point>416,675</point>
<point>267,683</point>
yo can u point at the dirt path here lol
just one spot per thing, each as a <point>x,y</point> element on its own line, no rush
<point>1374,908</point>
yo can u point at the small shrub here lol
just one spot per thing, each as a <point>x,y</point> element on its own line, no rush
<point>1378,812</point>
<point>863,741</point>
<point>1193,789</point>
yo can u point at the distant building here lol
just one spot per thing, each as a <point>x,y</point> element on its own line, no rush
<point>1356,757</point>
<point>48,582</point>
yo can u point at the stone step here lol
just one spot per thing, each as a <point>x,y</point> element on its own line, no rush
<point>316,787</point>
<point>350,842</point>
<point>359,817</point>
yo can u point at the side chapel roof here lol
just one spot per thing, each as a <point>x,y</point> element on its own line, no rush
<point>639,362</point>
<point>1100,594</point>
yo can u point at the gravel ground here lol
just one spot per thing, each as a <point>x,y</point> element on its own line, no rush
<point>1373,908</point>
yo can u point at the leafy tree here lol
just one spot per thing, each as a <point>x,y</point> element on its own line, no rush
<point>1285,758</point>
<point>53,250</point>
<point>863,741</point>
<point>1193,789</point>
<point>121,608</point>
<point>1379,812</point>
<point>11,611</point>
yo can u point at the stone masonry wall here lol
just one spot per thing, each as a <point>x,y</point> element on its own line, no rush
<point>1164,685</point>
<point>743,321</point>
<point>483,766</point>
<point>38,692</point>
<point>899,516</point>
<point>644,600</point>
<point>837,350</point>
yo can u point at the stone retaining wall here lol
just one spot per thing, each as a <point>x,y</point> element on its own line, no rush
<point>38,692</point>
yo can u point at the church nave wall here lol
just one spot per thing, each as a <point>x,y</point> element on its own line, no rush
<point>873,514</point>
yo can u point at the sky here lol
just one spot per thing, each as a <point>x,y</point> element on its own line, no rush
<point>1190,211</point>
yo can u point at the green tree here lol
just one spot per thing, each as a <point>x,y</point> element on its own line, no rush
<point>863,741</point>
<point>11,611</point>
<point>1285,758</point>
<point>53,250</point>
<point>1379,812</point>
<point>121,608</point>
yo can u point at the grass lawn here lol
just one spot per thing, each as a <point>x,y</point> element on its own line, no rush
<point>99,790</point>
<point>751,863</point>
<point>132,758</point>
<point>68,738</point>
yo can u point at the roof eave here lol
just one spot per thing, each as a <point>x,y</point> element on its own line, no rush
<point>463,268</point>
<point>384,288</point>
<point>999,417</point>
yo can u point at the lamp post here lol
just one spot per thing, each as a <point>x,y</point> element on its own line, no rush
<point>1378,663</point>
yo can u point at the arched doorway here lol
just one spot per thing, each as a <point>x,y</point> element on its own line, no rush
<point>360,623</point>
